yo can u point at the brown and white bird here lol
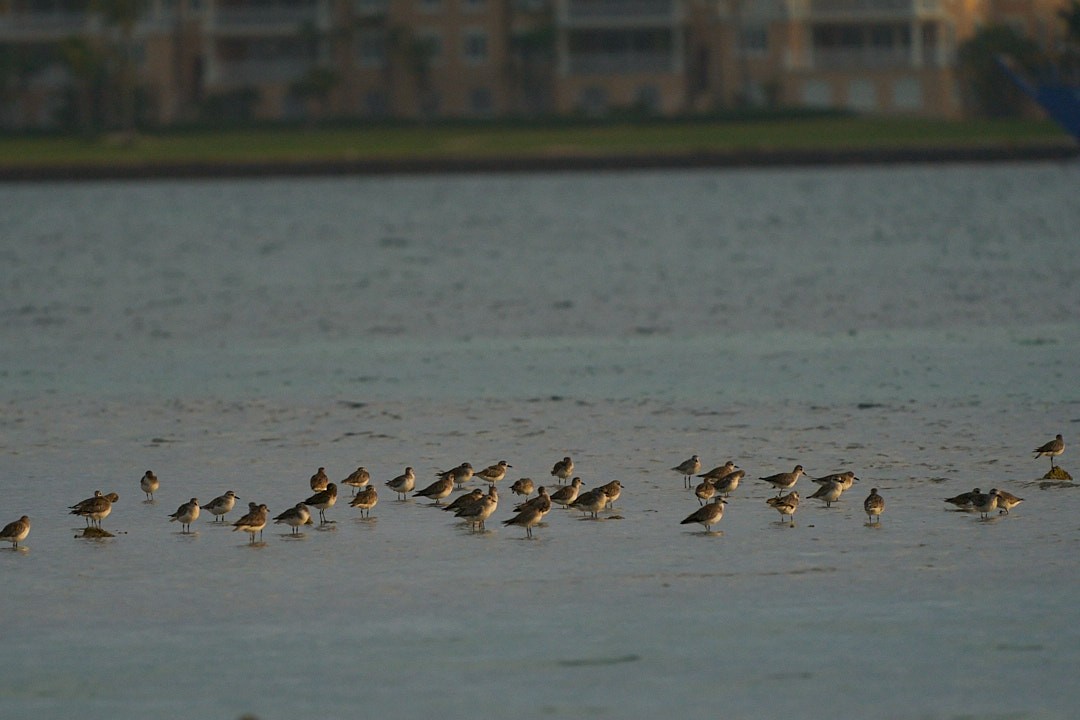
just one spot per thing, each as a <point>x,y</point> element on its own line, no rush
<point>95,509</point>
<point>319,480</point>
<point>323,501</point>
<point>1006,501</point>
<point>149,484</point>
<point>829,492</point>
<point>786,505</point>
<point>220,506</point>
<point>874,505</point>
<point>365,500</point>
<point>727,484</point>
<point>186,514</point>
<point>493,473</point>
<point>403,484</point>
<point>294,517</point>
<point>461,474</point>
<point>1051,449</point>
<point>358,479</point>
<point>705,491</point>
<point>707,515</point>
<point>15,532</point>
<point>437,490</point>
<point>480,511</point>
<point>591,503</point>
<point>567,493</point>
<point>964,500</point>
<point>563,469</point>
<point>846,479</point>
<point>463,500</point>
<point>985,503</point>
<point>784,481</point>
<point>720,471</point>
<point>612,490</point>
<point>527,518</point>
<point>523,486</point>
<point>688,468</point>
<point>541,501</point>
<point>254,521</point>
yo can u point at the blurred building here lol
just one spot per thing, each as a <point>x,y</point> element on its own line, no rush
<point>181,60</point>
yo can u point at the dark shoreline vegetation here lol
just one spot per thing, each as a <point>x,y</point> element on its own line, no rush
<point>339,149</point>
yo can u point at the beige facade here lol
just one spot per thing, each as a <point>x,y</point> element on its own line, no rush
<point>297,59</point>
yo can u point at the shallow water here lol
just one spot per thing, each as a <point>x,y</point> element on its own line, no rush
<point>916,325</point>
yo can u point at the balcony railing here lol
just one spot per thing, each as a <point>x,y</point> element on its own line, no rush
<point>57,23</point>
<point>259,72</point>
<point>263,17</point>
<point>592,11</point>
<point>867,58</point>
<point>621,63</point>
<point>859,9</point>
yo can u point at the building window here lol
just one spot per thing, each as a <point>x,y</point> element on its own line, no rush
<point>375,103</point>
<point>594,100</point>
<point>430,6</point>
<point>371,49</point>
<point>754,40</point>
<point>481,102</point>
<point>474,6</point>
<point>862,96</point>
<point>648,99</point>
<point>907,94</point>
<point>475,47</point>
<point>429,45</point>
<point>816,94</point>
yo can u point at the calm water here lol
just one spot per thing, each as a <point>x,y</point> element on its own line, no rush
<point>917,325</point>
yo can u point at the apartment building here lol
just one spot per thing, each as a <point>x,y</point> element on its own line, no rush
<point>296,59</point>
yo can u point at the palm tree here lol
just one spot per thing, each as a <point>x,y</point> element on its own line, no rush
<point>122,15</point>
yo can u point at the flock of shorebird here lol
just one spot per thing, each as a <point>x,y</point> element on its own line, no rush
<point>476,506</point>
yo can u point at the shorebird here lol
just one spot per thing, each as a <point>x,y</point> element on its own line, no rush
<point>874,505</point>
<point>480,511</point>
<point>985,503</point>
<point>688,468</point>
<point>319,480</point>
<point>358,479</point>
<point>964,500</point>
<point>403,484</point>
<point>705,491</point>
<point>527,518</point>
<point>1051,449</point>
<point>524,486</point>
<point>461,474</point>
<point>786,505</point>
<point>541,501</point>
<point>612,490</point>
<point>323,501</point>
<point>365,500</point>
<point>95,509</point>
<point>253,522</point>
<point>567,493</point>
<point>295,516</point>
<point>784,481</point>
<point>727,484</point>
<point>846,480</point>
<point>185,514</point>
<point>463,500</point>
<point>437,490</point>
<point>16,532</point>
<point>591,503</point>
<point>1006,501</point>
<point>494,473</point>
<point>720,471</point>
<point>829,492</point>
<point>220,506</point>
<point>707,515</point>
<point>563,469</point>
<point>149,484</point>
